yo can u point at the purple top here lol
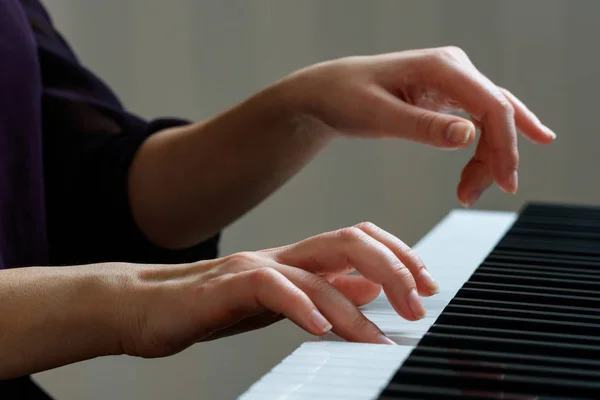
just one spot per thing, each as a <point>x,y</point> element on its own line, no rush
<point>66,143</point>
<point>22,215</point>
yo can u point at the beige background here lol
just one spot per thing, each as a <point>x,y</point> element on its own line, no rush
<point>194,58</point>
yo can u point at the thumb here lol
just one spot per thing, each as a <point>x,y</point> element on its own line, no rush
<point>434,128</point>
<point>399,119</point>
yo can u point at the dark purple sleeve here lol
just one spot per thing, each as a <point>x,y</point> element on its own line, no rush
<point>90,140</point>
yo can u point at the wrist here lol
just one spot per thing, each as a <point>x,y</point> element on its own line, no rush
<point>104,302</point>
<point>299,93</point>
<point>44,308</point>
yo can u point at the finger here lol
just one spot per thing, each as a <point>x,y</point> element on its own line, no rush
<point>347,320</point>
<point>421,125</point>
<point>351,247</point>
<point>476,176</point>
<point>528,123</point>
<point>252,292</point>
<point>446,69</point>
<point>425,283</point>
<point>358,289</point>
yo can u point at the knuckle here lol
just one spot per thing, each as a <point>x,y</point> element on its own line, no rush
<point>504,106</point>
<point>245,257</point>
<point>366,226</point>
<point>401,272</point>
<point>434,58</point>
<point>351,234</point>
<point>456,50</point>
<point>263,276</point>
<point>425,124</point>
<point>413,257</point>
<point>360,323</point>
<point>452,53</point>
<point>318,284</point>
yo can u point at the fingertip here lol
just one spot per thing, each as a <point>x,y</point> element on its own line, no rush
<point>319,323</point>
<point>460,133</point>
<point>416,305</point>
<point>427,281</point>
<point>462,194</point>
<point>382,339</point>
<point>400,303</point>
<point>549,134</point>
<point>542,135</point>
<point>510,183</point>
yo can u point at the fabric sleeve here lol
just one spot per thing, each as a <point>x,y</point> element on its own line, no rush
<point>90,140</point>
<point>89,216</point>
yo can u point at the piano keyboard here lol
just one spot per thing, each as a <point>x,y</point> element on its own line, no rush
<point>517,317</point>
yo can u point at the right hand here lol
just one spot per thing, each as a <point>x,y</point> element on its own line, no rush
<point>167,309</point>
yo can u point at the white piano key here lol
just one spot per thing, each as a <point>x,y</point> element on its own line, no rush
<point>335,369</point>
<point>326,379</point>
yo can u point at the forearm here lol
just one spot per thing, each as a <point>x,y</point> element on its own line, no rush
<point>188,183</point>
<point>55,316</point>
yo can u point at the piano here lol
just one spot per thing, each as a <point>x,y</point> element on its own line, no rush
<point>517,317</point>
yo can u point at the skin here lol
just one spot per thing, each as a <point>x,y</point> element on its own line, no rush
<point>255,147</point>
<point>187,183</point>
<point>159,310</point>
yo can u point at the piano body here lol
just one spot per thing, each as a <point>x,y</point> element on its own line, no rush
<point>517,317</point>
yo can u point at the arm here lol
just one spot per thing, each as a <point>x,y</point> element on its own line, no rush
<point>138,192</point>
<point>60,315</point>
<point>187,183</point>
<point>55,316</point>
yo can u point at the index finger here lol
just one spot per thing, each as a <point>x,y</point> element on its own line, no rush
<point>527,122</point>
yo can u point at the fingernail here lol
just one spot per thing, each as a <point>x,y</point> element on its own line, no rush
<point>459,132</point>
<point>382,339</point>
<point>415,304</point>
<point>428,281</point>
<point>319,321</point>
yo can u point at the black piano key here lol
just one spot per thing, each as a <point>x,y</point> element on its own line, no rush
<point>553,210</point>
<point>499,355</point>
<point>526,324</point>
<point>540,336</point>
<point>565,233</point>
<point>525,306</point>
<point>572,285</point>
<point>556,223</point>
<point>405,391</point>
<point>542,371</point>
<point>524,346</point>
<point>504,311</point>
<point>540,258</point>
<point>541,272</point>
<point>489,284</point>
<point>515,295</point>
<point>509,383</point>
<point>563,246</point>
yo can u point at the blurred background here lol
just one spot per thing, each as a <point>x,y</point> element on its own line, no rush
<point>195,58</point>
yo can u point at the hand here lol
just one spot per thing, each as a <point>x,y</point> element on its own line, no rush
<point>407,95</point>
<point>170,308</point>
